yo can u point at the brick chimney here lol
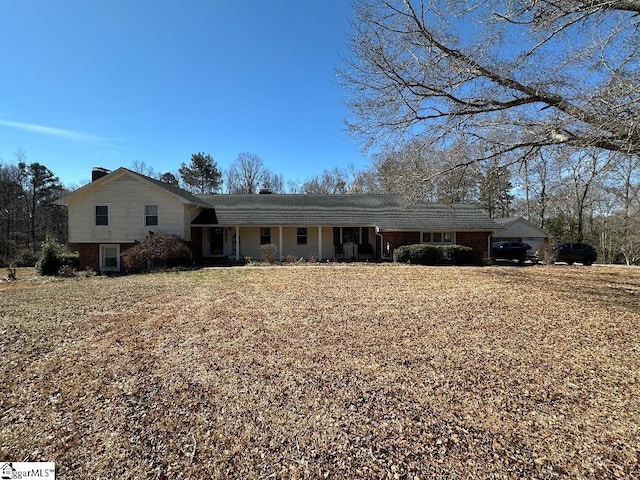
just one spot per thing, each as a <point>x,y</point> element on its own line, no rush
<point>98,172</point>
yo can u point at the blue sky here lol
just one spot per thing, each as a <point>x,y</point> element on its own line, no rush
<point>109,83</point>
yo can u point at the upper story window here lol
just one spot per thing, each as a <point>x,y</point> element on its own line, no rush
<point>102,215</point>
<point>437,237</point>
<point>150,215</point>
<point>302,236</point>
<point>265,236</point>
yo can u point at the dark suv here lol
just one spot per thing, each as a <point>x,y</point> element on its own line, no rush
<point>575,252</point>
<point>510,251</point>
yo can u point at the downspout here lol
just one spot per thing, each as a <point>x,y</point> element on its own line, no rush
<point>378,234</point>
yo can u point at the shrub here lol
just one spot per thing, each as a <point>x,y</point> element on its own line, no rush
<point>24,258</point>
<point>419,254</point>
<point>456,254</point>
<point>269,253</point>
<point>424,254</point>
<point>53,257</point>
<point>157,250</point>
<point>546,254</point>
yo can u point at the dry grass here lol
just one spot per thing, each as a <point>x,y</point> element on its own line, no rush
<point>326,371</point>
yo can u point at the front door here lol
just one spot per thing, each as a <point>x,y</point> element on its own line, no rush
<point>217,241</point>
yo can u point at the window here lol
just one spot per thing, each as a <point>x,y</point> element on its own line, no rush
<point>151,215</point>
<point>437,237</point>
<point>358,235</point>
<point>302,236</point>
<point>350,235</point>
<point>102,215</point>
<point>110,258</point>
<point>265,236</point>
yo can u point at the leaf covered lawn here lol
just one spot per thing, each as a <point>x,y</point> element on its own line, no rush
<point>332,371</point>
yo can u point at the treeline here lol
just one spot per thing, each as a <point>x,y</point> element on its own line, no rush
<point>576,195</point>
<point>27,212</point>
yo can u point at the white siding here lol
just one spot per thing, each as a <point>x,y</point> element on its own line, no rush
<point>126,198</point>
<point>250,242</point>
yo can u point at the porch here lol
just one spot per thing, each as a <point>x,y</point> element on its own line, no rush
<point>215,243</point>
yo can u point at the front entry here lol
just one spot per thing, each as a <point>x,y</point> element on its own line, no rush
<point>217,241</point>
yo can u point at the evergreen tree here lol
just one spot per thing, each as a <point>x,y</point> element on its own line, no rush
<point>201,175</point>
<point>42,187</point>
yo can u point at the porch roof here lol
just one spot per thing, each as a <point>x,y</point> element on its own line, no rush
<point>388,212</point>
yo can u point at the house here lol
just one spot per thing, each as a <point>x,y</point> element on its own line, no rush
<point>518,229</point>
<point>119,208</point>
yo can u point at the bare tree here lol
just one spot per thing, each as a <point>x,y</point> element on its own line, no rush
<point>330,182</point>
<point>420,172</point>
<point>495,187</point>
<point>247,174</point>
<point>625,189</point>
<point>141,167</point>
<point>273,182</point>
<point>559,72</point>
<point>339,181</point>
<point>13,211</point>
<point>536,173</point>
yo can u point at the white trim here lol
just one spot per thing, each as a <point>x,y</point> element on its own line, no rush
<point>144,214</point>
<point>102,249</point>
<point>96,205</point>
<point>431,232</point>
<point>237,242</point>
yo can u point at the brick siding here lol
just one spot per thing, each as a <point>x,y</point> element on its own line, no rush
<point>478,241</point>
<point>397,239</point>
<point>89,254</point>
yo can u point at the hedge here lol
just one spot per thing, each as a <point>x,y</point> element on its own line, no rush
<point>425,254</point>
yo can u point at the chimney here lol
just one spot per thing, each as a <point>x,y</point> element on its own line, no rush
<point>265,191</point>
<point>98,172</point>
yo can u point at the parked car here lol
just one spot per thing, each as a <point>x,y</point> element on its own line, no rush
<point>575,252</point>
<point>510,251</point>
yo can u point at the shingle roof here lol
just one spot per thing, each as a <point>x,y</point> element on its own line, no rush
<point>388,212</point>
<point>174,189</point>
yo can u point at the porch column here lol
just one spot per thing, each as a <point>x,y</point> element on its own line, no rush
<point>280,242</point>
<point>237,242</point>
<point>319,242</point>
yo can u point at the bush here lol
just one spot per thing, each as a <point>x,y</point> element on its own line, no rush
<point>425,254</point>
<point>456,254</point>
<point>24,258</point>
<point>419,254</point>
<point>54,257</point>
<point>546,254</point>
<point>157,250</point>
<point>269,253</point>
